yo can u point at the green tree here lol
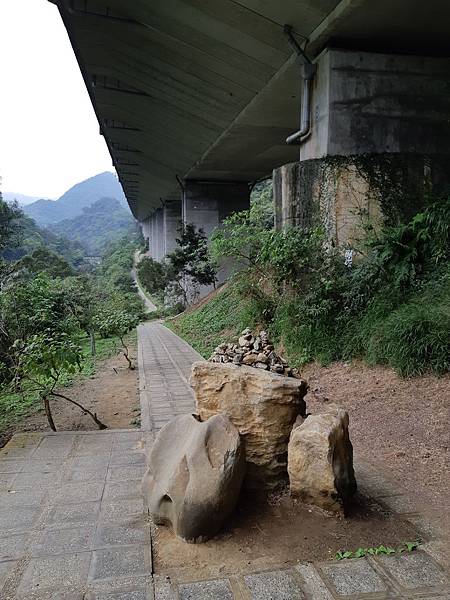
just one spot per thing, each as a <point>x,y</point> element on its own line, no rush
<point>190,265</point>
<point>114,321</point>
<point>44,359</point>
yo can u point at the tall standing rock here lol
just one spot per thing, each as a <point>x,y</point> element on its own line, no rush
<point>261,404</point>
<point>194,476</point>
<point>320,460</point>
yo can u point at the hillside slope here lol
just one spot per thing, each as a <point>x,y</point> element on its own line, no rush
<point>78,197</point>
<point>99,224</point>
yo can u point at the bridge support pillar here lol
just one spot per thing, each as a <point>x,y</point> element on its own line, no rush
<point>171,224</point>
<point>206,204</point>
<point>379,144</point>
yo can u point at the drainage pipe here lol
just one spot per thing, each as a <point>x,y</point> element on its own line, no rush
<point>308,72</point>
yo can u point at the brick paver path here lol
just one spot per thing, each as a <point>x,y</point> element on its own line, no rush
<point>72,525</point>
<point>71,517</point>
<point>164,368</point>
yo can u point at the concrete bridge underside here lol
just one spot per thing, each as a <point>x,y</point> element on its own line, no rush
<point>209,89</point>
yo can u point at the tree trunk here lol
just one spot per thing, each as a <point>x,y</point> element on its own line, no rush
<point>48,412</point>
<point>92,339</point>
<point>125,353</point>
<point>94,417</point>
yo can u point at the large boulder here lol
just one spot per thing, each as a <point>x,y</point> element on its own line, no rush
<point>261,404</point>
<point>194,476</point>
<point>320,460</point>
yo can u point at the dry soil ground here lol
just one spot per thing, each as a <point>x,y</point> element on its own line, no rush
<point>112,393</point>
<point>399,426</point>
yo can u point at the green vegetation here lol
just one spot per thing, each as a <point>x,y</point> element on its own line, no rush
<point>361,552</point>
<point>391,306</point>
<point>176,282</point>
<point>53,318</point>
<point>100,224</point>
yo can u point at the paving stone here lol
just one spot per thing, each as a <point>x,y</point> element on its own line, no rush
<point>415,569</point>
<point>63,541</point>
<point>79,491</point>
<point>129,533</point>
<point>124,509</point>
<point>85,474</point>
<point>56,452</point>
<point>26,497</point>
<point>6,480</point>
<point>129,595</point>
<point>6,569</point>
<point>124,473</point>
<point>127,458</point>
<point>276,585</point>
<point>55,573</point>
<point>162,588</point>
<point>18,517</point>
<point>13,546</point>
<point>34,479</point>
<point>85,462</point>
<point>76,514</point>
<point>11,466</point>
<point>353,577</point>
<point>206,590</point>
<point>120,561</point>
<point>313,586</point>
<point>10,451</point>
<point>122,489</point>
<point>42,465</point>
<point>58,595</point>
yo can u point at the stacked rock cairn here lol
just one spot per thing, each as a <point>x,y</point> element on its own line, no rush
<point>253,350</point>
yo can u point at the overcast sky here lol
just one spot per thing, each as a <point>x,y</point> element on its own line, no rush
<point>49,136</point>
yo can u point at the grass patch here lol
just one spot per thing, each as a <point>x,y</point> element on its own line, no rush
<point>225,315</point>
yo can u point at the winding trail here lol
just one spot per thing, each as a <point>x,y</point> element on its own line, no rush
<point>148,303</point>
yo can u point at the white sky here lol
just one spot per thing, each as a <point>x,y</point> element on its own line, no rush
<point>49,136</point>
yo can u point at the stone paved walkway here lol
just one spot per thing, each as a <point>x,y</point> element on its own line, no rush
<point>72,524</point>
<point>71,517</point>
<point>164,368</point>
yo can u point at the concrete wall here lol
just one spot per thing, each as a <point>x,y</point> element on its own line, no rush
<point>373,103</point>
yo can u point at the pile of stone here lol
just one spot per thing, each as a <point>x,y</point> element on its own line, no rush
<point>254,351</point>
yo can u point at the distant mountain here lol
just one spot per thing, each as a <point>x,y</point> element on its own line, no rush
<point>34,238</point>
<point>80,196</point>
<point>99,224</point>
<point>22,199</point>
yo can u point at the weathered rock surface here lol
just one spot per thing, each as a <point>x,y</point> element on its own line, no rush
<point>194,475</point>
<point>255,351</point>
<point>320,460</point>
<point>261,404</point>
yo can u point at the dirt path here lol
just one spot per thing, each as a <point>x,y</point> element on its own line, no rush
<point>401,426</point>
<point>112,393</point>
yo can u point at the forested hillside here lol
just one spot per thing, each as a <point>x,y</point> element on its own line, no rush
<point>32,238</point>
<point>100,224</point>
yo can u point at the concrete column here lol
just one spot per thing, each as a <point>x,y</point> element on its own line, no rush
<point>171,223</point>
<point>380,140</point>
<point>159,234</point>
<point>207,204</point>
<point>151,246</point>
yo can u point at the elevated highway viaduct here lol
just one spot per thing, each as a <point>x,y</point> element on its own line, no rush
<point>196,99</point>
